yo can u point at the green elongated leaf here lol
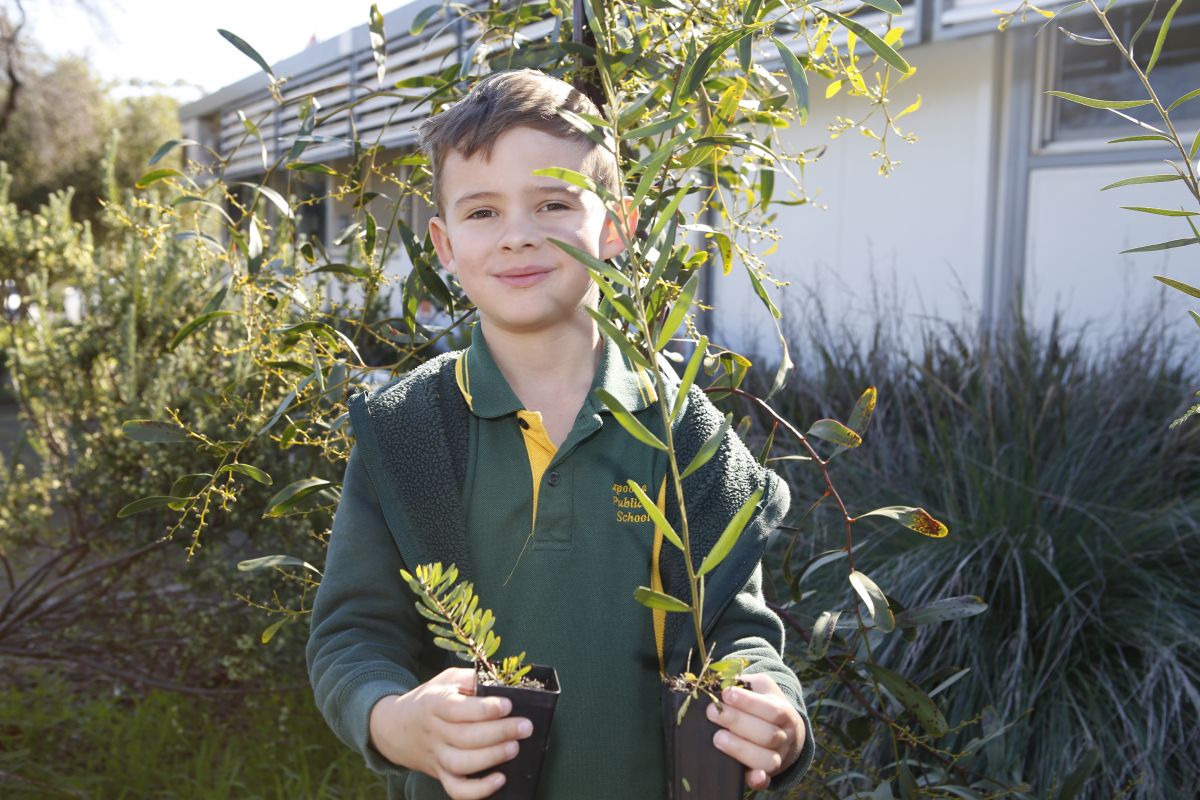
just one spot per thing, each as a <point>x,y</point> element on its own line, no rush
<point>795,71</point>
<point>318,169</point>
<point>657,516</point>
<point>665,602</point>
<point>422,19</point>
<point>588,260</point>
<point>872,40</point>
<point>168,147</point>
<point>273,196</point>
<point>1150,248</point>
<point>833,431</point>
<point>1195,146</point>
<point>155,431</point>
<point>186,485</point>
<point>731,533</point>
<point>378,39</point>
<point>875,601</point>
<point>689,375</point>
<point>886,6</point>
<point>195,325</point>
<point>1180,285</point>
<point>698,70</point>
<point>860,417</point>
<point>264,562</point>
<point>651,169</point>
<point>250,471</point>
<point>1073,785</point>
<point>761,291</point>
<point>1162,212</point>
<point>1090,41</point>
<point>623,344</point>
<point>911,696</point>
<point>943,610</point>
<point>908,784</point>
<point>1142,178</point>
<point>284,405</point>
<point>657,127</point>
<point>1149,137</point>
<point>287,498</point>
<point>343,269</point>
<point>157,175</point>
<point>682,304</point>
<point>1192,95</point>
<point>916,519</point>
<point>249,51</point>
<point>576,179</point>
<point>668,214</point>
<point>147,503</point>
<point>272,629</point>
<point>822,634</point>
<point>710,447</point>
<point>1162,37</point>
<point>1093,103</point>
<point>628,421</point>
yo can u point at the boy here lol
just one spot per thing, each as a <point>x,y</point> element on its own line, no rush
<point>501,460</point>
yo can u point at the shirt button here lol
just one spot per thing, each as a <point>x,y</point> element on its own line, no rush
<point>552,479</point>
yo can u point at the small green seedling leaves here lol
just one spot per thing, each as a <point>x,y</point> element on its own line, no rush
<point>709,448</point>
<point>629,422</point>
<point>833,431</point>
<point>911,696</point>
<point>664,602</point>
<point>916,519</point>
<point>948,608</point>
<point>731,533</point>
<point>155,431</point>
<point>264,562</point>
<point>875,601</point>
<point>656,515</point>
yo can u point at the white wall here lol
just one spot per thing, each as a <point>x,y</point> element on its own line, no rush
<point>1072,255</point>
<point>917,239</point>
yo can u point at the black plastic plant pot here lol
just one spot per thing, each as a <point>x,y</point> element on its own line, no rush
<point>696,769</point>
<point>521,774</point>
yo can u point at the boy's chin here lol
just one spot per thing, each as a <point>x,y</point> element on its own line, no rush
<point>528,324</point>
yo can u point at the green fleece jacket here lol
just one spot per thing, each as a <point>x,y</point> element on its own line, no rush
<point>402,504</point>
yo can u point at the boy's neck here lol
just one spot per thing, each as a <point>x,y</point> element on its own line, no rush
<point>550,371</point>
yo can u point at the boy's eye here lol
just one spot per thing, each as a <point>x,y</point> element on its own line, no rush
<point>555,205</point>
<point>481,213</point>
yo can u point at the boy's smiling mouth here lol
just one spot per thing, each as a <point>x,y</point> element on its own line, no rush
<point>518,277</point>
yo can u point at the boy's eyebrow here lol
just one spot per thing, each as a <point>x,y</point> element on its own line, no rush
<point>542,189</point>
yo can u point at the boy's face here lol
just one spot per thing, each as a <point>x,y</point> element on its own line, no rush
<point>496,224</point>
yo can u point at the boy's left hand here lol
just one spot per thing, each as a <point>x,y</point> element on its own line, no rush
<point>763,730</point>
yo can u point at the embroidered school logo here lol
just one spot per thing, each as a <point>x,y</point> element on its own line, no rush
<point>628,507</point>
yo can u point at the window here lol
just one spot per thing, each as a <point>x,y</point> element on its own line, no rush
<point>1101,72</point>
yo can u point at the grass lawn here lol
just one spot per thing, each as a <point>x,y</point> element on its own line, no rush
<point>160,745</point>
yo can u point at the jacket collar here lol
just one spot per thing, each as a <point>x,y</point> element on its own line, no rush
<point>488,394</point>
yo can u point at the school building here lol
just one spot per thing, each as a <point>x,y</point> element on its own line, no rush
<point>997,206</point>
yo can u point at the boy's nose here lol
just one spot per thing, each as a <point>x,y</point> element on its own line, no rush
<point>519,233</point>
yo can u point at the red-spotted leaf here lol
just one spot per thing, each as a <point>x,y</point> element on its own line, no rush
<point>860,417</point>
<point>916,519</point>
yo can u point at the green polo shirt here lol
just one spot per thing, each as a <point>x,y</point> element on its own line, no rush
<point>559,545</point>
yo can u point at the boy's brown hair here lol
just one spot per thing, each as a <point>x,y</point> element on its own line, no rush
<point>522,98</point>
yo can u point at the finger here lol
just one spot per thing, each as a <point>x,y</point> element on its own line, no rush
<point>748,754</point>
<point>472,788</point>
<point>454,707</point>
<point>458,763</point>
<point>460,678</point>
<point>474,735</point>
<point>768,703</point>
<point>749,727</point>
<point>757,779</point>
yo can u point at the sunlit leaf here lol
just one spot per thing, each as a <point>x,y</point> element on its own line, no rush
<point>916,519</point>
<point>287,498</point>
<point>1150,248</point>
<point>195,325</point>
<point>731,533</point>
<point>1093,103</point>
<point>250,471</point>
<point>872,41</point>
<point>264,562</point>
<point>656,515</point>
<point>709,448</point>
<point>1142,178</point>
<point>682,304</point>
<point>157,175</point>
<point>665,602</point>
<point>875,601</point>
<point>628,421</point>
<point>168,147</point>
<point>1162,37</point>
<point>1162,212</point>
<point>833,431</point>
<point>822,634</point>
<point>795,71</point>
<point>250,52</point>
<point>1186,288</point>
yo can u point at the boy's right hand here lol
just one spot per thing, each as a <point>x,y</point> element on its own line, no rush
<point>441,729</point>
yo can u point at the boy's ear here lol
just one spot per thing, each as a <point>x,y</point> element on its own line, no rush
<point>441,243</point>
<point>620,230</point>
